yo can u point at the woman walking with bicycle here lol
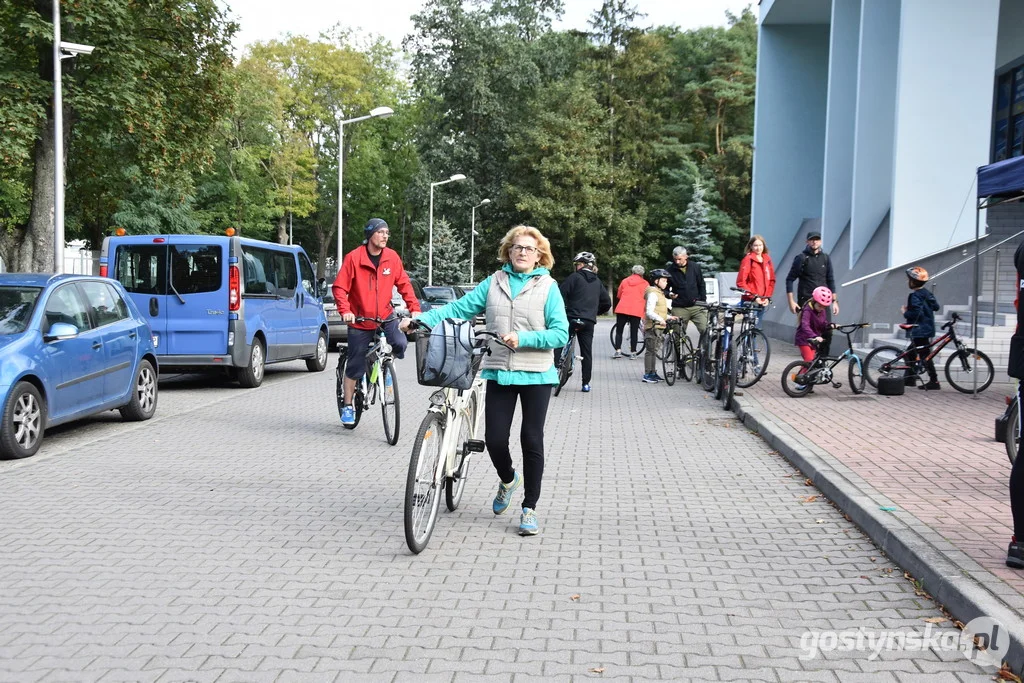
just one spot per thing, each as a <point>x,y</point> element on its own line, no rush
<point>920,316</point>
<point>523,306</point>
<point>757,275</point>
<point>629,309</point>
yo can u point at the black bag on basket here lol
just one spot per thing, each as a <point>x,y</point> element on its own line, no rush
<point>444,358</point>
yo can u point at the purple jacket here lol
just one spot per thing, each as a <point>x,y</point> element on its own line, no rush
<point>812,324</point>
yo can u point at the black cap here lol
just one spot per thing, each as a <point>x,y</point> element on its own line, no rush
<point>372,226</point>
<point>814,235</point>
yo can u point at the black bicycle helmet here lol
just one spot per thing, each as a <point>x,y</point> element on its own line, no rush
<point>658,273</point>
<point>586,258</point>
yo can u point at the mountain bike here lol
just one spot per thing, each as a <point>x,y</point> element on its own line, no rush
<point>379,381</point>
<point>567,358</point>
<point>725,358</point>
<point>800,376</point>
<point>641,342</point>
<point>961,366</point>
<point>704,356</point>
<point>677,353</point>
<point>443,448</point>
<point>752,347</point>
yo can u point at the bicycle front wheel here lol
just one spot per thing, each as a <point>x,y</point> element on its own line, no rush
<point>856,375</point>
<point>1012,440</point>
<point>752,361</point>
<point>883,362</point>
<point>389,402</point>
<point>455,484</point>
<point>708,374</point>
<point>797,370</point>
<point>962,367</point>
<point>422,493</point>
<point>339,378</point>
<point>686,360</point>
<point>669,358</point>
<point>565,369</point>
<point>729,381</point>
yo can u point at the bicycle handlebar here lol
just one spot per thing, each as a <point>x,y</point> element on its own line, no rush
<point>849,328</point>
<point>495,337</point>
<point>749,293</point>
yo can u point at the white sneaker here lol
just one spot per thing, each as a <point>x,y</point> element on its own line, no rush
<point>618,354</point>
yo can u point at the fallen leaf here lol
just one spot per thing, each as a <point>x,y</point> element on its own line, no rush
<point>808,482</point>
<point>809,499</point>
<point>597,670</point>
<point>863,576</point>
<point>575,597</point>
<point>1006,674</point>
<point>873,559</point>
<point>936,620</point>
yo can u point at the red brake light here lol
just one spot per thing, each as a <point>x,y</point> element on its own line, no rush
<point>103,270</point>
<point>158,240</point>
<point>234,289</point>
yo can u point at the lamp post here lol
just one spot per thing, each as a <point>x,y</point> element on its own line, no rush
<point>61,51</point>
<point>379,112</point>
<point>472,235</point>
<point>430,231</point>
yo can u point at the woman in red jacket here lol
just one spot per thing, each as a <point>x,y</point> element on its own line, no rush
<point>629,309</point>
<point>757,274</point>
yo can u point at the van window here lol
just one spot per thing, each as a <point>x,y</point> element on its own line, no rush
<point>142,268</point>
<point>284,270</point>
<point>258,265</point>
<point>195,268</point>
<point>308,278</point>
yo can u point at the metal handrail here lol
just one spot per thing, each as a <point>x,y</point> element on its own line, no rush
<point>969,258</point>
<point>917,260</point>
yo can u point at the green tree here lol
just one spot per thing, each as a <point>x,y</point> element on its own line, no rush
<point>451,262</point>
<point>694,233</point>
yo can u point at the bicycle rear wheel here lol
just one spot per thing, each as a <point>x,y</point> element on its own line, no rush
<point>856,375</point>
<point>669,358</point>
<point>963,365</point>
<point>568,360</point>
<point>422,493</point>
<point>455,485</point>
<point>389,402</point>
<point>790,385</point>
<point>686,360</point>
<point>709,364</point>
<point>882,362</point>
<point>754,352</point>
<point>1012,441</point>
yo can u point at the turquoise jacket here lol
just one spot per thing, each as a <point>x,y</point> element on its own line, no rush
<point>554,337</point>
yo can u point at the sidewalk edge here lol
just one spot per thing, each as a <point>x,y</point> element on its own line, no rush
<point>945,581</point>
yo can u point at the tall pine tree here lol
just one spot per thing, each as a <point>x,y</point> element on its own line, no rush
<point>695,234</point>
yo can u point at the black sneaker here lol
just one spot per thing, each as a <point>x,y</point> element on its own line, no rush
<point>910,381</point>
<point>1015,555</point>
<point>931,386</point>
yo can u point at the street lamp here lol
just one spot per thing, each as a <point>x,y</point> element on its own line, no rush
<point>379,112</point>
<point>430,231</point>
<point>472,235</point>
<point>61,50</point>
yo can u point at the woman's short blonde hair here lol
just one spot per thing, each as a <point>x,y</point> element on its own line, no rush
<point>755,238</point>
<point>543,246</point>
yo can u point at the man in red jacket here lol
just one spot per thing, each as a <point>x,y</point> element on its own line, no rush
<point>363,288</point>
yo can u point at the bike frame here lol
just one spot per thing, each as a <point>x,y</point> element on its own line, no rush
<point>455,402</point>
<point>936,346</point>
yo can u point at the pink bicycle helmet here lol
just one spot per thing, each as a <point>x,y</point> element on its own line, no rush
<point>823,295</point>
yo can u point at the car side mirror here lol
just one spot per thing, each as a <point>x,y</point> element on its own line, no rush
<point>321,287</point>
<point>60,331</point>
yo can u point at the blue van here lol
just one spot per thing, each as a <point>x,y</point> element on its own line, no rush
<point>217,301</point>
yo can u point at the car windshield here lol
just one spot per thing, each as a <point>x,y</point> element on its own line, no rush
<point>439,293</point>
<point>16,306</point>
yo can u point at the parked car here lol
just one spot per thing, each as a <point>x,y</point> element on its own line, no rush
<point>222,301</point>
<point>70,346</point>
<point>442,294</point>
<point>337,330</point>
<point>399,303</point>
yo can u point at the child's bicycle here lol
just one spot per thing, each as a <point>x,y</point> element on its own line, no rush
<point>379,381</point>
<point>800,376</point>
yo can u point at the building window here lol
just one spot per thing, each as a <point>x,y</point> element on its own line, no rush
<point>1008,120</point>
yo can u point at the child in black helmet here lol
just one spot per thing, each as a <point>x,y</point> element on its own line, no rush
<point>920,316</point>
<point>656,315</point>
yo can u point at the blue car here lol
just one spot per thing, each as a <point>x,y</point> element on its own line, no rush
<point>70,346</point>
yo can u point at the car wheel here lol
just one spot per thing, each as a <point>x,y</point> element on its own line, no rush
<point>24,420</point>
<point>144,393</point>
<point>318,362</point>
<point>251,376</point>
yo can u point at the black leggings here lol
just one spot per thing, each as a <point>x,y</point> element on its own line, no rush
<point>634,325</point>
<point>1017,484</point>
<point>498,412</point>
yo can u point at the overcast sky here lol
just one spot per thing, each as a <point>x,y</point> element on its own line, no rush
<point>267,19</point>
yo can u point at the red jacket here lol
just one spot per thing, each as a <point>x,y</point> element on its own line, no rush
<point>362,289</point>
<point>631,296</point>
<point>758,278</point>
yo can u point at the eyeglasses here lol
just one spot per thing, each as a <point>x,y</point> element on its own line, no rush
<point>523,248</point>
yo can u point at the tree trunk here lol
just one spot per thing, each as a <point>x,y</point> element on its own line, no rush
<point>282,230</point>
<point>36,249</point>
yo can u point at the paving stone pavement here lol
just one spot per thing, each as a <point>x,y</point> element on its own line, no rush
<point>243,535</point>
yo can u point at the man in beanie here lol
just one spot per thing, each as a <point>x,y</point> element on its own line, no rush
<point>812,268</point>
<point>363,288</point>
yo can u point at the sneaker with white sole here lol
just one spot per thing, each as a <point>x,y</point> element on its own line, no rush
<point>618,354</point>
<point>348,415</point>
<point>504,496</point>
<point>528,523</point>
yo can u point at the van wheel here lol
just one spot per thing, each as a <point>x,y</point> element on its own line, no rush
<point>24,418</point>
<point>251,376</point>
<point>143,402</point>
<point>318,362</point>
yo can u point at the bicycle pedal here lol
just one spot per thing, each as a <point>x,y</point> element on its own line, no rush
<point>837,385</point>
<point>474,446</point>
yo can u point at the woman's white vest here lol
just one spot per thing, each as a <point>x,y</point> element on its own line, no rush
<point>525,312</point>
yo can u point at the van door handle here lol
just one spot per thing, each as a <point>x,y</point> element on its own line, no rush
<point>154,307</point>
<point>131,335</point>
<point>96,345</point>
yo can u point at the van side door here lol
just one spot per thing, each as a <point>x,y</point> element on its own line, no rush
<point>264,310</point>
<point>142,270</point>
<point>289,338</point>
<point>197,300</point>
<point>313,316</point>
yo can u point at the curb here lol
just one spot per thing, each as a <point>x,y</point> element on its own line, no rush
<point>964,597</point>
